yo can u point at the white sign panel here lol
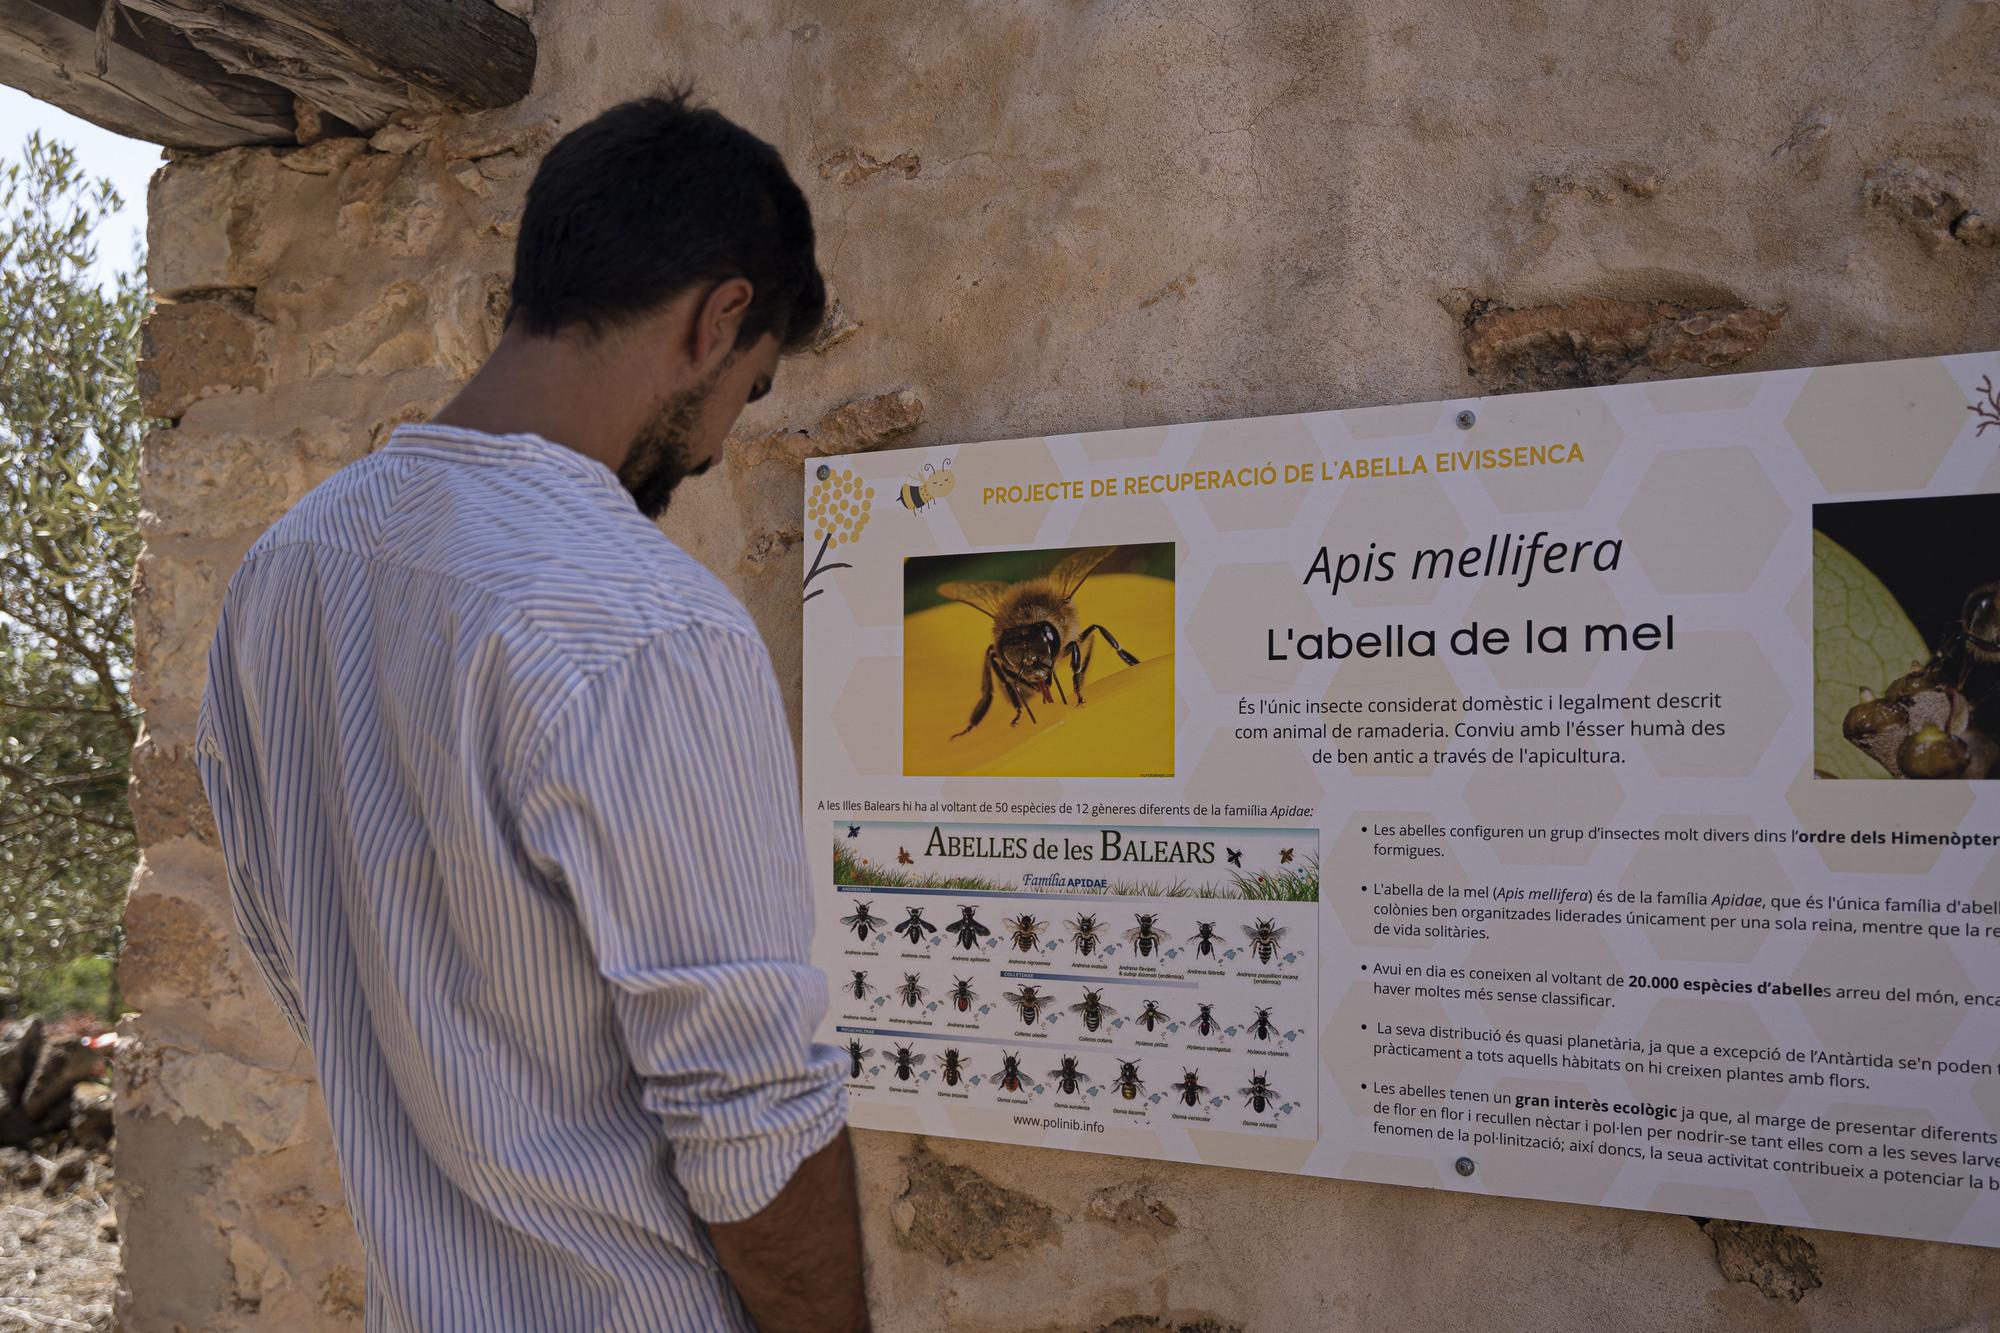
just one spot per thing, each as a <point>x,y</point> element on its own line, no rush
<point>1582,796</point>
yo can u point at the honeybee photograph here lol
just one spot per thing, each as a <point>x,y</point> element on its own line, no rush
<point>1050,663</point>
<point>1906,638</point>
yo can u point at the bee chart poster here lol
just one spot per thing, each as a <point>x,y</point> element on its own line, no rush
<point>1585,795</point>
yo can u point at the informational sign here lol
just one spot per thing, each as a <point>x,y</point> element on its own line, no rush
<point>1580,796</point>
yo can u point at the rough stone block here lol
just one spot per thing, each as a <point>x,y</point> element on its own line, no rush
<point>167,797</point>
<point>196,347</point>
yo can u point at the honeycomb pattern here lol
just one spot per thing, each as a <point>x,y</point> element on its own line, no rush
<point>1755,703</point>
<point>1882,427</point>
<point>1257,440</point>
<point>1704,520</point>
<point>1227,627</point>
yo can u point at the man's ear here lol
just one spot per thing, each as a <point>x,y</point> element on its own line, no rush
<point>716,321</point>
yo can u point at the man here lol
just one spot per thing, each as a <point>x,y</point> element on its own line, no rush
<point>508,797</point>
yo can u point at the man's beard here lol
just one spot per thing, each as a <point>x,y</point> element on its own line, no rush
<point>660,456</point>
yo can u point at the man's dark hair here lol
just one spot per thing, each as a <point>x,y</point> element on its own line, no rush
<point>653,197</point>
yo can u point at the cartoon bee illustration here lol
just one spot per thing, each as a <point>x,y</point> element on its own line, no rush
<point>1235,855</point>
<point>915,926</point>
<point>1145,938</point>
<point>1151,1016</point>
<point>906,1063</point>
<point>1010,1077</point>
<point>1034,624</point>
<point>1069,1076</point>
<point>968,929</point>
<point>1204,1022</point>
<point>1026,932</point>
<point>1093,1010</point>
<point>1264,935</point>
<point>919,493</point>
<point>1204,939</point>
<point>1260,1093</point>
<point>962,994</point>
<point>1029,1000</point>
<point>953,1068</point>
<point>1263,1029</point>
<point>912,991</point>
<point>1285,856</point>
<point>863,923</point>
<point>1128,1082</point>
<point>856,1053</point>
<point>1190,1088</point>
<point>858,987</point>
<point>903,857</point>
<point>1083,933</point>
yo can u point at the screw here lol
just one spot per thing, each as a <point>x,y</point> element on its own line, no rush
<point>1466,418</point>
<point>1464,1165</point>
<point>824,472</point>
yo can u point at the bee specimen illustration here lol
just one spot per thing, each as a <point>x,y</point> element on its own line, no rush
<point>1204,1022</point>
<point>1029,1000</point>
<point>864,922</point>
<point>1264,935</point>
<point>1146,937</point>
<point>1069,1077</point>
<point>968,929</point>
<point>1083,933</point>
<point>1260,1093</point>
<point>903,857</point>
<point>1034,625</point>
<point>962,994</point>
<point>1235,855</point>
<point>1026,932</point>
<point>1190,1088</point>
<point>1128,1082</point>
<point>1285,856</point>
<point>1010,1077</point>
<point>1262,1028</point>
<point>856,1053</point>
<point>906,1063</point>
<point>912,991</point>
<point>915,926</point>
<point>858,987</point>
<point>953,1068</point>
<point>1093,1010</point>
<point>1204,939</point>
<point>853,831</point>
<point>1151,1016</point>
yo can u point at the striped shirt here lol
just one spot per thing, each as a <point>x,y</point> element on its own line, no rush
<point>510,811</point>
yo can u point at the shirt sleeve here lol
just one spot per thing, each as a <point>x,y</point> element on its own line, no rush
<point>665,801</point>
<point>223,760</point>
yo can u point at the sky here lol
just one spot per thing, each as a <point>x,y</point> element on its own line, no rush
<point>128,162</point>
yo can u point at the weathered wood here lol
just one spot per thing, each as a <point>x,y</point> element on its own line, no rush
<point>361,59</point>
<point>156,85</point>
<point>213,73</point>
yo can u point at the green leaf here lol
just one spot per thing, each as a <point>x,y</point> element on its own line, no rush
<point>1861,638</point>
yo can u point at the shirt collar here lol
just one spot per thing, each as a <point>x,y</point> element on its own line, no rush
<point>456,444</point>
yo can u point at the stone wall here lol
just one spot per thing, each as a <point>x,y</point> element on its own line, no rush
<point>1060,215</point>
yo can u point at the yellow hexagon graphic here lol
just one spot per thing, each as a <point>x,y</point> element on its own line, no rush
<point>1879,427</point>
<point>987,474</point>
<point>1704,520</point>
<point>1253,442</point>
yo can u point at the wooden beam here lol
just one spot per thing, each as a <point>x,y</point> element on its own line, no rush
<point>155,84</point>
<point>361,59</point>
<point>216,73</point>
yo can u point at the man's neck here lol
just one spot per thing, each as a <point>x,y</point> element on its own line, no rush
<point>541,386</point>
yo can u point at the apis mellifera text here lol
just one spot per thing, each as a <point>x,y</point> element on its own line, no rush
<point>1035,624</point>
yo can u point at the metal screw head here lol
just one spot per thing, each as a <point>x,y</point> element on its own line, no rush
<point>824,472</point>
<point>1466,418</point>
<point>1464,1165</point>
